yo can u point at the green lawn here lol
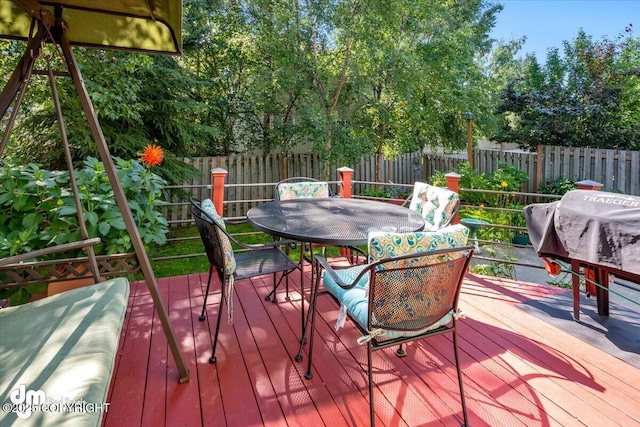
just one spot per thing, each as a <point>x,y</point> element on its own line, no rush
<point>195,263</point>
<point>191,245</point>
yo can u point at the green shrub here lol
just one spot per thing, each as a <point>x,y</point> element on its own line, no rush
<point>504,179</point>
<point>37,207</point>
<point>559,186</point>
<point>386,192</point>
<point>37,210</point>
<point>499,207</point>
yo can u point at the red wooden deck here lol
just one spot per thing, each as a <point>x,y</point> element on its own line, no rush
<point>518,369</point>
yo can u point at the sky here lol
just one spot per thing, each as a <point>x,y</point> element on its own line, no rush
<point>546,23</point>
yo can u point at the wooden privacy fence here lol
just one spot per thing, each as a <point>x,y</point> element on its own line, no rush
<point>244,171</point>
<point>618,170</point>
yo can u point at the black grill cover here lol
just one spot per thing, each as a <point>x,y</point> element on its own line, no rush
<point>592,226</point>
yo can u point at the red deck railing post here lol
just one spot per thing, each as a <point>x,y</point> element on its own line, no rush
<point>218,176</point>
<point>345,174</point>
<point>588,184</point>
<point>453,184</point>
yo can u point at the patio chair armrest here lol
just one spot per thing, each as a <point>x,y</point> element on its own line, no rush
<point>331,271</point>
<point>273,243</point>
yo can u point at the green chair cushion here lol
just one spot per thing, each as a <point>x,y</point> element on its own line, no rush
<point>227,250</point>
<point>387,245</point>
<point>64,345</point>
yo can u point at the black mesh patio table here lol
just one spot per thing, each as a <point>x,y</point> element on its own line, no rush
<point>332,222</point>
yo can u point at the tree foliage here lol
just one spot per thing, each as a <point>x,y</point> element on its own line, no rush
<point>339,77</point>
<point>586,97</point>
<point>343,77</point>
<point>139,100</point>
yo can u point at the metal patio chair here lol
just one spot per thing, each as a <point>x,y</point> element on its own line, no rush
<point>301,187</point>
<point>255,260</point>
<point>408,291</point>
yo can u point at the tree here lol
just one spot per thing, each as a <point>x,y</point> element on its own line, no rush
<point>139,100</point>
<point>347,77</point>
<point>585,98</point>
<point>413,64</point>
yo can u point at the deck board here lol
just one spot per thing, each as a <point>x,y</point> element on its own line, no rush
<point>518,370</point>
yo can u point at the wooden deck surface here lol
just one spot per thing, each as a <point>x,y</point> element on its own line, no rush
<point>518,370</point>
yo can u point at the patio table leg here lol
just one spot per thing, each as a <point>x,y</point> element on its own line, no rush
<point>302,324</point>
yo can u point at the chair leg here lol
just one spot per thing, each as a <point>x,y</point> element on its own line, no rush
<point>400,351</point>
<point>286,297</point>
<point>272,295</point>
<point>203,315</point>
<point>462,400</point>
<point>213,359</point>
<point>275,286</point>
<point>372,416</point>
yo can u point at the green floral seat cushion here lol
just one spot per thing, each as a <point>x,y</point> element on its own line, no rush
<point>424,290</point>
<point>227,250</point>
<point>303,190</point>
<point>436,205</point>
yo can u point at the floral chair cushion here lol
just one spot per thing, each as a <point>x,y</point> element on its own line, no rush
<point>227,250</point>
<point>436,205</point>
<point>387,245</point>
<point>303,190</point>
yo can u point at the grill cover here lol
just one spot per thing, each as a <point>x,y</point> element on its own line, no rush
<point>591,226</point>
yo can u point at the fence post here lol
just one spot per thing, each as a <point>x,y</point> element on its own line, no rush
<point>345,174</point>
<point>539,172</point>
<point>453,184</point>
<point>588,184</point>
<point>218,176</point>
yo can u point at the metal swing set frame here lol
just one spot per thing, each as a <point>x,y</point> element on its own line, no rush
<point>47,26</point>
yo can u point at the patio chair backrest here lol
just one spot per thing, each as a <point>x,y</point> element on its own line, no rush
<point>414,278</point>
<point>214,237</point>
<point>437,205</point>
<point>408,291</point>
<point>418,291</point>
<point>301,188</point>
